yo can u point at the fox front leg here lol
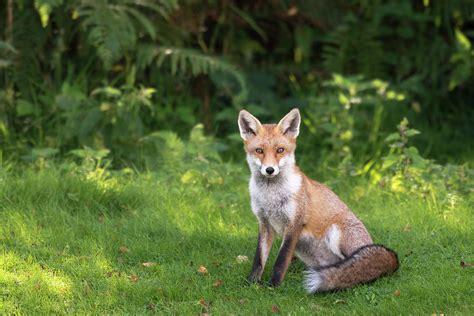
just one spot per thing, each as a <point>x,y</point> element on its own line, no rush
<point>265,240</point>
<point>290,239</point>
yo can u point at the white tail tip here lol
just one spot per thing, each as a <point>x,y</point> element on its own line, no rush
<point>313,281</point>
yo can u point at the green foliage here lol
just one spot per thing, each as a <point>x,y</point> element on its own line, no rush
<point>463,60</point>
<point>391,39</point>
<point>346,118</point>
<point>109,117</point>
<point>405,170</point>
<point>195,161</point>
<point>401,156</point>
<point>105,74</point>
<point>353,47</point>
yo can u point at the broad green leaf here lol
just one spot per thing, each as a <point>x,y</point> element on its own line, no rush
<point>414,155</point>
<point>89,152</point>
<point>389,161</point>
<point>346,135</point>
<point>44,9</point>
<point>343,99</point>
<point>108,91</point>
<point>463,41</point>
<point>24,108</point>
<point>412,132</point>
<point>392,137</point>
<point>190,176</point>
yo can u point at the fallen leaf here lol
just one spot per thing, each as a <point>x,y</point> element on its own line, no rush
<point>202,302</point>
<point>204,305</point>
<point>466,264</point>
<point>151,306</point>
<point>407,228</point>
<point>339,302</point>
<point>218,283</point>
<point>124,249</point>
<point>241,259</point>
<point>133,278</point>
<point>242,301</point>
<point>203,270</point>
<point>396,293</point>
<point>148,264</point>
<point>275,309</point>
<point>37,285</point>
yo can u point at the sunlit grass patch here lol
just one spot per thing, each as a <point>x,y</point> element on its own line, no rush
<point>29,285</point>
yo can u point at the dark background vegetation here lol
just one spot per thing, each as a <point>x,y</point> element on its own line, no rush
<point>108,78</point>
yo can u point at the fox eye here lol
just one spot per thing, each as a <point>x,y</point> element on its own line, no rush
<point>259,151</point>
<point>280,150</point>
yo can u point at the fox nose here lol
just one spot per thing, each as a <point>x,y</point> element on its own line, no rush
<point>270,170</point>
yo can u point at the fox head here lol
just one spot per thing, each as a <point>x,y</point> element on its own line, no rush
<point>270,147</point>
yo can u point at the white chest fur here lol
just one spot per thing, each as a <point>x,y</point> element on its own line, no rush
<point>273,200</point>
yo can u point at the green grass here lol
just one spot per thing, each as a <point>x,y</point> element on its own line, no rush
<point>61,233</point>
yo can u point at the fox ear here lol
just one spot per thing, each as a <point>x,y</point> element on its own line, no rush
<point>249,126</point>
<point>290,124</point>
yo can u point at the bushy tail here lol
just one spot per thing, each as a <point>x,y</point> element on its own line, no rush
<point>366,264</point>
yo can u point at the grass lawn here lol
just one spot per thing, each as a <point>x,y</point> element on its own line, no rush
<point>133,243</point>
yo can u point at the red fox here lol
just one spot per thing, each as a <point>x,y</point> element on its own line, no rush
<point>313,222</point>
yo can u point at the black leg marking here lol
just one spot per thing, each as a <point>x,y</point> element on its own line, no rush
<point>284,258</point>
<point>257,267</point>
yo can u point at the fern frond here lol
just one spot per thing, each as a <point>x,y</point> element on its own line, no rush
<point>353,47</point>
<point>164,8</point>
<point>199,63</point>
<point>185,61</point>
<point>28,40</point>
<point>114,26</point>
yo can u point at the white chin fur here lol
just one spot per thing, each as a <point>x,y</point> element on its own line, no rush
<point>312,281</point>
<point>269,176</point>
